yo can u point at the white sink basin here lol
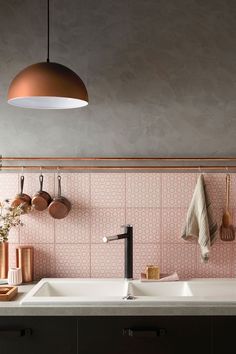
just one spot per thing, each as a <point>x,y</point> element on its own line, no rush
<point>101,291</point>
<point>162,289</point>
<point>76,291</point>
<point>198,290</point>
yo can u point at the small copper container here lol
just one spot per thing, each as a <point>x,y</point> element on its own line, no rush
<point>25,261</point>
<point>3,260</point>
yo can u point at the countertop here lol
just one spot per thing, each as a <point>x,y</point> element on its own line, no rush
<point>14,308</point>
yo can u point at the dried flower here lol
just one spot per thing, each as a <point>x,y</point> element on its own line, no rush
<point>9,217</point>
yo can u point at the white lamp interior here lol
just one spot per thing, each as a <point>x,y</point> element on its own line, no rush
<point>47,102</point>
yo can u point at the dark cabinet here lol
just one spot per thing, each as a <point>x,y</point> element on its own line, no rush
<point>38,335</point>
<point>223,332</point>
<point>144,335</point>
<point>117,335</point>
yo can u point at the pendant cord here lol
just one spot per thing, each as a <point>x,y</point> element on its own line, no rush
<point>48,31</point>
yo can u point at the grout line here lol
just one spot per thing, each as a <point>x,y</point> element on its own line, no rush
<point>90,228</point>
<point>54,234</point>
<point>125,198</point>
<point>18,229</point>
<point>196,265</point>
<point>160,230</point>
<point>232,273</point>
<point>18,190</point>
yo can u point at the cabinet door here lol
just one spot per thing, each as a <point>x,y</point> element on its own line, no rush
<point>38,335</point>
<point>144,335</point>
<point>223,330</point>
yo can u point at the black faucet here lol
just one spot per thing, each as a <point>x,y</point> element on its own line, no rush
<point>128,236</point>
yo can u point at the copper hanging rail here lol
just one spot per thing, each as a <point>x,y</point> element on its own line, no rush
<point>174,159</point>
<point>198,163</point>
<point>159,168</point>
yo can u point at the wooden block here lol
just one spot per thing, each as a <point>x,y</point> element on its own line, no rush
<point>152,272</point>
<point>7,293</point>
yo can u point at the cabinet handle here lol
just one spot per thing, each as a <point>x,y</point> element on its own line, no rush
<point>13,333</point>
<point>144,333</point>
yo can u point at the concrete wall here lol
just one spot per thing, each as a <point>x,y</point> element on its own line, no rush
<point>161,77</point>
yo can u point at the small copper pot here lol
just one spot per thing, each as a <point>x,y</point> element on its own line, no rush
<point>22,198</point>
<point>60,207</point>
<point>41,199</point>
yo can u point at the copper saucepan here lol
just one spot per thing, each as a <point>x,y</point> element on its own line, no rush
<point>22,198</point>
<point>41,199</point>
<point>60,207</point>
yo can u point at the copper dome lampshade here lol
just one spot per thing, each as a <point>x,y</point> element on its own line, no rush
<point>47,85</point>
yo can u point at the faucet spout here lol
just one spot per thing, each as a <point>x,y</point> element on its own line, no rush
<point>128,237</point>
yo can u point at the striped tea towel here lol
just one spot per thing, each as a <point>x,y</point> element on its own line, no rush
<point>199,221</point>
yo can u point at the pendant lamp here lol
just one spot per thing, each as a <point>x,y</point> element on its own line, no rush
<point>47,85</point>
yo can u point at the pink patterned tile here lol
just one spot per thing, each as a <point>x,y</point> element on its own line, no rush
<point>32,186</point>
<point>8,185</point>
<point>107,260</point>
<point>218,213</point>
<point>38,228</point>
<point>146,223</point>
<point>76,188</point>
<point>108,190</point>
<point>44,260</point>
<point>143,190</point>
<point>14,235</point>
<point>145,254</point>
<point>233,257</point>
<point>233,215</point>
<point>72,261</point>
<point>75,228</point>
<point>179,258</point>
<point>12,254</point>
<point>106,222</point>
<point>72,250</point>
<point>215,186</point>
<point>177,189</point>
<point>173,220</point>
<point>219,264</point>
<point>232,190</point>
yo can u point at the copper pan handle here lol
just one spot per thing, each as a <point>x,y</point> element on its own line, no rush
<point>41,182</point>
<point>22,179</point>
<point>59,186</point>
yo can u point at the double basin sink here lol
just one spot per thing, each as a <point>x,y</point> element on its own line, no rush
<point>62,291</point>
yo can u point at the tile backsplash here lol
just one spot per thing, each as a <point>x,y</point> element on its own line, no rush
<point>154,203</point>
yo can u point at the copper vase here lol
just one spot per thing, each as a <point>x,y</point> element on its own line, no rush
<point>3,260</point>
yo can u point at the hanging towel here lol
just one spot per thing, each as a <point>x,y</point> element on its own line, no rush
<point>199,221</point>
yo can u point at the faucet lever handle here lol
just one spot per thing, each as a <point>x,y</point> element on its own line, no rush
<point>106,239</point>
<point>126,225</point>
